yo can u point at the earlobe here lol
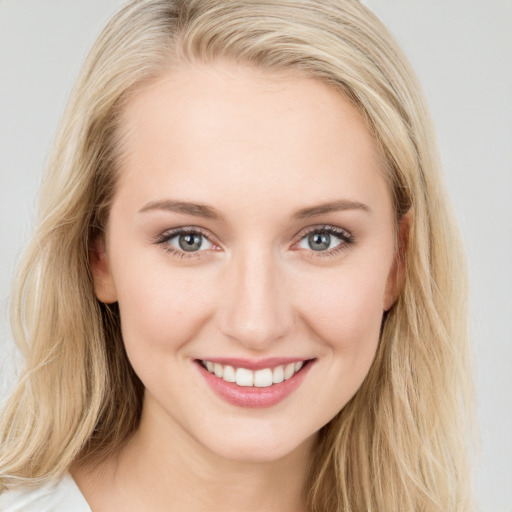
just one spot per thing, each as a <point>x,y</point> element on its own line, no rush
<point>104,286</point>
<point>396,275</point>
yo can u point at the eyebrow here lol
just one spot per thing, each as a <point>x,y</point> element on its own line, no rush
<point>207,212</point>
<point>195,209</point>
<point>332,206</point>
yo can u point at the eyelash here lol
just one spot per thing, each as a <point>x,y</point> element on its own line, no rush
<point>346,240</point>
<point>165,237</point>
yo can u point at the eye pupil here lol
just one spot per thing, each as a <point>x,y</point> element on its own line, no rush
<point>190,242</point>
<point>319,241</point>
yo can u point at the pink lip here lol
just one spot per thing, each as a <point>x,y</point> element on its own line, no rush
<point>253,396</point>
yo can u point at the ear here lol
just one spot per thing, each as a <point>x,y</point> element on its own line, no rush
<point>396,275</point>
<point>104,286</point>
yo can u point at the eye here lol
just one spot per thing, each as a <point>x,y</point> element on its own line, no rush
<point>184,242</point>
<point>326,239</point>
<point>191,241</point>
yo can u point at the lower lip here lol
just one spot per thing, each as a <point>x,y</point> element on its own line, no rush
<point>251,396</point>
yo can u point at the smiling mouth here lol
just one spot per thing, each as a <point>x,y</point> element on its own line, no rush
<point>261,378</point>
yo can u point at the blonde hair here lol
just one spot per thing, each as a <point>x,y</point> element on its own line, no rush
<point>400,443</point>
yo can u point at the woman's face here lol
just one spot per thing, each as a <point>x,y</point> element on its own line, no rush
<point>251,229</point>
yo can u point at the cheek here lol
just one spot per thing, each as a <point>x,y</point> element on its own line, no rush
<point>345,311</point>
<point>161,310</point>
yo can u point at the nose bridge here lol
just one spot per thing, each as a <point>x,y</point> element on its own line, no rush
<point>258,310</point>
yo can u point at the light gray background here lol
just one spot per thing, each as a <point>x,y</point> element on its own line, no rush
<point>462,52</point>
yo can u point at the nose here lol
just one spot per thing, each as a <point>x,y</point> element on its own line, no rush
<point>256,307</point>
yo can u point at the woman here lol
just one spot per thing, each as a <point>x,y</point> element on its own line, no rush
<point>245,289</point>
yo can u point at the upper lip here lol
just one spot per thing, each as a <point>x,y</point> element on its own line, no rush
<point>255,364</point>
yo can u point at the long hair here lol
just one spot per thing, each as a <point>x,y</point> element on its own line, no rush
<point>400,443</point>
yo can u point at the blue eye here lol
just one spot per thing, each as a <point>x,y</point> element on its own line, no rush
<point>325,239</point>
<point>188,241</point>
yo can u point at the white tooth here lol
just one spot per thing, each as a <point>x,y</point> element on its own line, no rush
<point>298,365</point>
<point>217,369</point>
<point>244,377</point>
<point>263,378</point>
<point>209,366</point>
<point>229,374</point>
<point>278,375</point>
<point>289,371</point>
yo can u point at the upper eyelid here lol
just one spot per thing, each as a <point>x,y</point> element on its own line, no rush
<point>171,233</point>
<point>324,227</point>
<point>308,229</point>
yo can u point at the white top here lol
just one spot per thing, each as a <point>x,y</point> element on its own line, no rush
<point>60,496</point>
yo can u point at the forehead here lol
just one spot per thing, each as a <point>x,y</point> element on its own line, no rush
<point>203,130</point>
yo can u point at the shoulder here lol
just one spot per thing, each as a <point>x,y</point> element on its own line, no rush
<point>60,496</point>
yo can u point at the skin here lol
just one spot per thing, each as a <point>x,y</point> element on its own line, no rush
<point>257,148</point>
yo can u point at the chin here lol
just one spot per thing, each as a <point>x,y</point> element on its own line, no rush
<point>257,445</point>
